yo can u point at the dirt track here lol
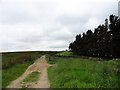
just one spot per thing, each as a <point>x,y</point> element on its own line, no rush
<point>43,82</point>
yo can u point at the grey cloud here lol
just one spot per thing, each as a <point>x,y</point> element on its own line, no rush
<point>11,16</point>
<point>72,20</point>
<point>16,18</point>
<point>60,36</point>
<point>32,39</point>
<point>75,24</point>
<point>49,25</point>
<point>27,12</point>
<point>60,44</point>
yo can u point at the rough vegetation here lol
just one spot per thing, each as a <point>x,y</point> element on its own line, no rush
<point>65,53</point>
<point>10,59</point>
<point>15,63</point>
<point>83,73</point>
<point>13,73</point>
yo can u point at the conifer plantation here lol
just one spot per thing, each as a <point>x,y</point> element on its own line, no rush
<point>104,42</point>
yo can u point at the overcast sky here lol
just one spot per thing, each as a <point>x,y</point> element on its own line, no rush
<point>49,24</point>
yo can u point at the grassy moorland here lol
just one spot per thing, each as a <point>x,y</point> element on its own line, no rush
<point>12,58</point>
<point>67,72</point>
<point>15,63</point>
<point>83,73</point>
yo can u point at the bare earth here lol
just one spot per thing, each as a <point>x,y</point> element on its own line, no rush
<point>39,65</point>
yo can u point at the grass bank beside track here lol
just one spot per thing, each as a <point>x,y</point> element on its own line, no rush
<point>83,73</point>
<point>13,73</point>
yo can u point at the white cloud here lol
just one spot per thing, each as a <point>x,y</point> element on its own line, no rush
<point>92,23</point>
<point>49,24</point>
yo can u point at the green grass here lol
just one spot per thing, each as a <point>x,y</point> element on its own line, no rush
<point>51,60</point>
<point>15,63</point>
<point>65,53</point>
<point>32,77</point>
<point>10,59</point>
<point>13,73</point>
<point>83,73</point>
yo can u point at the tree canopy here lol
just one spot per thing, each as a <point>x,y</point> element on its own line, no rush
<point>103,42</point>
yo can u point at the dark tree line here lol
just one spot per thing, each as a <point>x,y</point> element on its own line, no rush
<point>103,42</point>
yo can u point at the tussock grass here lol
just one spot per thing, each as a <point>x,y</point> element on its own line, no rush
<point>32,77</point>
<point>83,73</point>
